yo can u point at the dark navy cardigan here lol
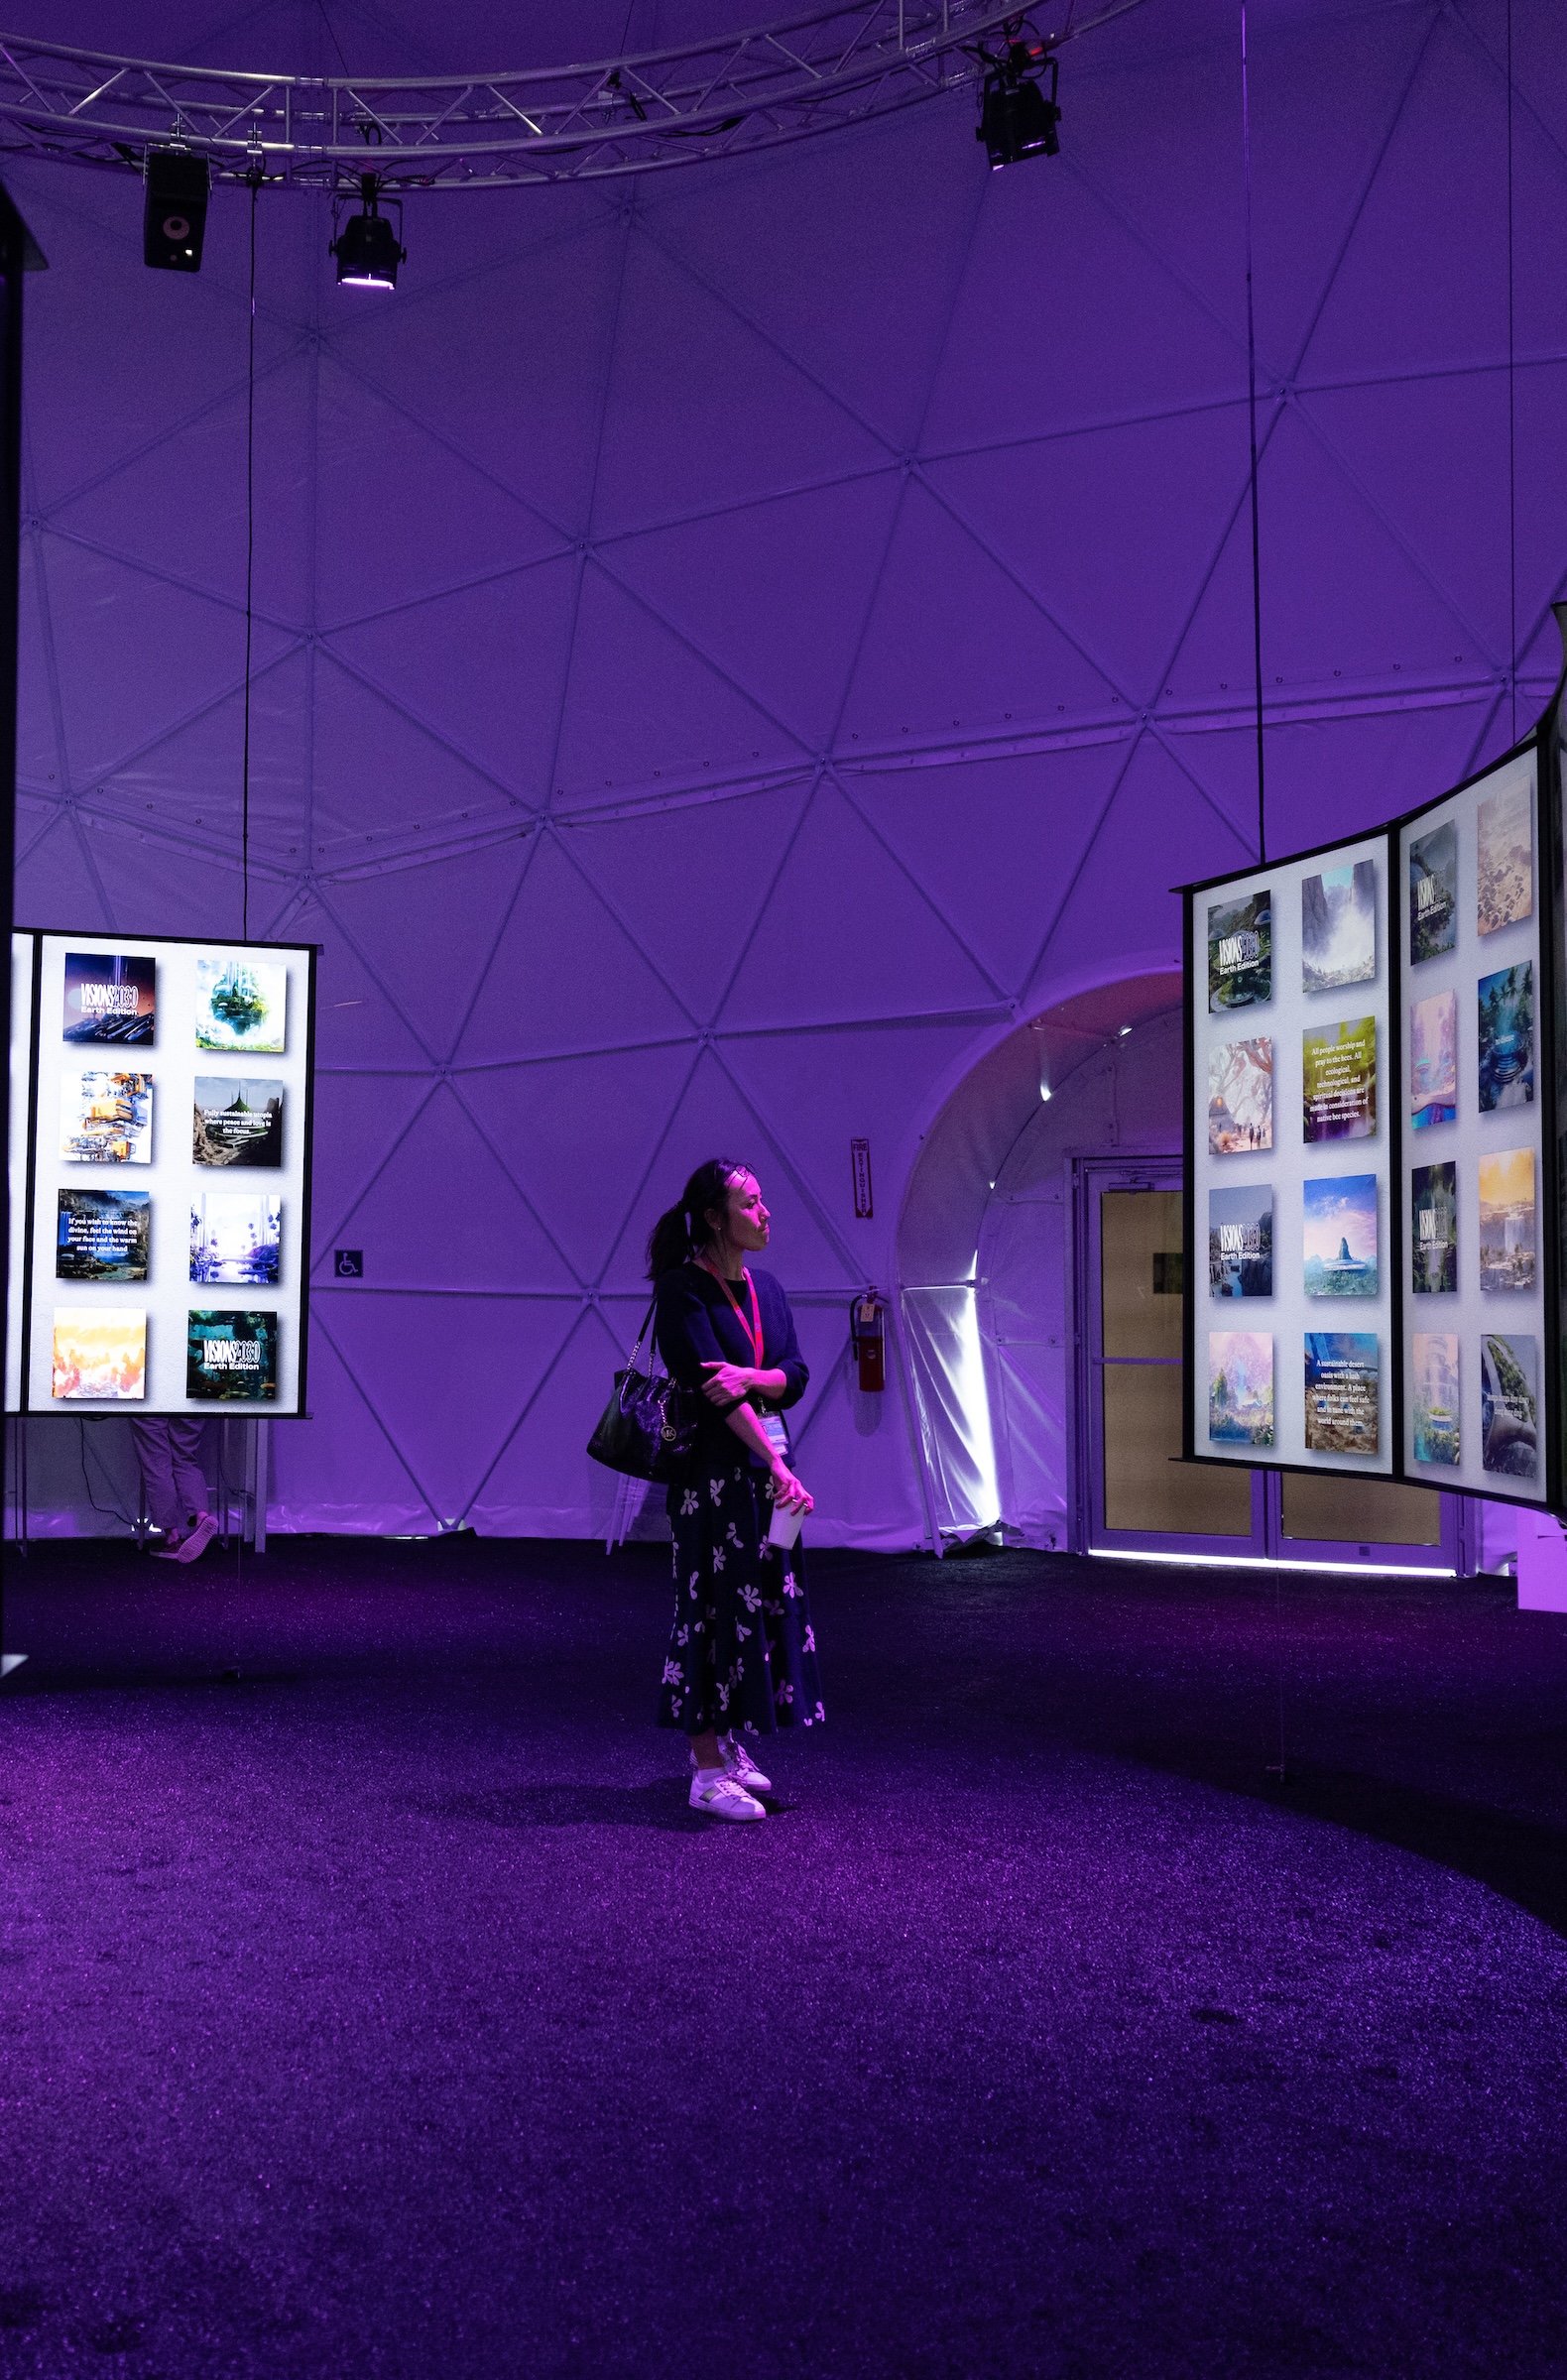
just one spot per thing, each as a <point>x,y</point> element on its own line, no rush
<point>694,1323</point>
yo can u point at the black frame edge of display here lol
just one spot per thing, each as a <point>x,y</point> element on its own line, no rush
<point>1394,1077</point>
<point>1552,1004</point>
<point>1547,1058</point>
<point>1188,1417</point>
<point>1546,868</point>
<point>1552,775</point>
<point>1315,851</point>
<point>29,1178</point>
<point>99,933</point>
<point>1398,1159</point>
<point>301,1402</point>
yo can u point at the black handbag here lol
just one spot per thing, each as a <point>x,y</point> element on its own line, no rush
<point>648,1430</point>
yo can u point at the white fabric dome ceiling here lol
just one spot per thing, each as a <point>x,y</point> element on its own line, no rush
<point>729,647</point>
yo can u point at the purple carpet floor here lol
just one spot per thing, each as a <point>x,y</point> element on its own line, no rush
<point>370,2002</point>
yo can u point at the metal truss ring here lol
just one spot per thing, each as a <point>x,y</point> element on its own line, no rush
<point>814,72</point>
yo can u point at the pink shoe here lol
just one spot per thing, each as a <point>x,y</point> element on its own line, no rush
<point>200,1537</point>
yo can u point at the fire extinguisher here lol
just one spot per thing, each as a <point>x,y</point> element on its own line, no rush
<point>866,1339</point>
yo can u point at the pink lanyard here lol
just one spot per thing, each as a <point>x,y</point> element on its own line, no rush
<point>753,1328</point>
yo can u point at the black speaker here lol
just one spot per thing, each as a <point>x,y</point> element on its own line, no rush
<point>174,216</point>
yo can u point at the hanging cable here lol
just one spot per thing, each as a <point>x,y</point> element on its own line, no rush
<point>1250,370</point>
<point>254,179</point>
<point>110,1512</point>
<point>1256,681</point>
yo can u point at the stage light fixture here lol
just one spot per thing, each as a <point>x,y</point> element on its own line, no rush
<point>367,249</point>
<point>173,210</point>
<point>1016,119</point>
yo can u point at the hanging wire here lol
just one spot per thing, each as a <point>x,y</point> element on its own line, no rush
<point>1250,370</point>
<point>254,179</point>
<point>1275,1769</point>
<point>332,36</point>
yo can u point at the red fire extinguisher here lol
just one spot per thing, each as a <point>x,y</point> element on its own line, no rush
<point>866,1338</point>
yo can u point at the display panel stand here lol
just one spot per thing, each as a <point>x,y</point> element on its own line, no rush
<point>258,1472</point>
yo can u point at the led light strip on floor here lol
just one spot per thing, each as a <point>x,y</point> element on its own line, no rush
<point>1383,1569</point>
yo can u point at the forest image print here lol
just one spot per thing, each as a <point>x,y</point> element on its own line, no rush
<point>1506,1038</point>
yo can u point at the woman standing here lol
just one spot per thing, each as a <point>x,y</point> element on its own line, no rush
<point>742,1655</point>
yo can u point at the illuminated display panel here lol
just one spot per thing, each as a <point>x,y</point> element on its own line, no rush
<point>1292,1196</point>
<point>161,1176</point>
<point>1473,1292</point>
<point>1382,1292</point>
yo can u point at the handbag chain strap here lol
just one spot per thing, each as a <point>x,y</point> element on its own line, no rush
<point>640,1336</point>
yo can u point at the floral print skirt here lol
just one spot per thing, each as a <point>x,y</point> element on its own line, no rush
<point>742,1653</point>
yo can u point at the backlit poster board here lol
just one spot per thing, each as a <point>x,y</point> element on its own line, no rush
<point>1290,1279</point>
<point>1473,1292</point>
<point>1376,1073</point>
<point>160,1175</point>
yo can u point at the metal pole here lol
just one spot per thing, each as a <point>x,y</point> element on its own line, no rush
<point>258,1459</point>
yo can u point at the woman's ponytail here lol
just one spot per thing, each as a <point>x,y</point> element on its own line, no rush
<point>668,1242</point>
<point>682,1230</point>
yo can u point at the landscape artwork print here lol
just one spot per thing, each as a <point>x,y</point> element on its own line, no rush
<point>103,1235</point>
<point>1241,1387</point>
<point>1240,1098</point>
<point>1504,859</point>
<point>1241,1242</point>
<point>236,1238</point>
<point>1508,1381</point>
<point>1338,928</point>
<point>1434,1060</point>
<point>1506,1038</point>
<point>238,1120</point>
<point>1241,953</point>
<point>1434,1396</point>
<point>242,1004</point>
<point>110,996</point>
<point>1339,1081</point>
<point>1506,1220</point>
<point>1433,894</point>
<point>99,1351</point>
<point>1341,1392</point>
<point>1340,1212</point>
<point>106,1119</point>
<point>1434,1228</point>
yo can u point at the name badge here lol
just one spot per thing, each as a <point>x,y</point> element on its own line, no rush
<point>778,1435</point>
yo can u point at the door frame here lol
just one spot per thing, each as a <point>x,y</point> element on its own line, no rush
<point>1266,1546</point>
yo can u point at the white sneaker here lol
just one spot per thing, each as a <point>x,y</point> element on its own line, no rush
<point>199,1539</point>
<point>720,1797</point>
<point>741,1767</point>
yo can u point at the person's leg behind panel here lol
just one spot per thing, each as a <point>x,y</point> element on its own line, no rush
<point>174,1486</point>
<point>191,1487</point>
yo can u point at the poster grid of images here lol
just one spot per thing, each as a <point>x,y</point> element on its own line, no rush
<point>1473,1208</point>
<point>121,1113</point>
<point>1309,998</point>
<point>1285,1223</point>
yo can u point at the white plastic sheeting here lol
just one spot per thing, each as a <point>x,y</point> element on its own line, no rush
<point>984,1246</point>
